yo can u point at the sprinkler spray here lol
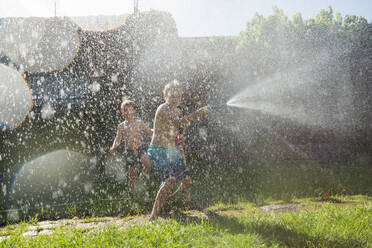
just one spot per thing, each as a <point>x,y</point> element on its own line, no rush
<point>218,108</point>
<point>216,104</point>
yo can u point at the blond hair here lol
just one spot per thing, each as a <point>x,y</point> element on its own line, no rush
<point>172,85</point>
<point>127,103</point>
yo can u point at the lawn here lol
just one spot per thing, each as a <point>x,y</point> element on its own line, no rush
<point>336,221</point>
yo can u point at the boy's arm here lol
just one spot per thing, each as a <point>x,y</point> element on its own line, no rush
<point>198,113</point>
<point>117,140</point>
<point>145,128</point>
<point>179,122</point>
<point>180,139</point>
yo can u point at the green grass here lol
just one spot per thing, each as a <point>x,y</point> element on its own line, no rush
<point>255,182</point>
<point>336,211</point>
<point>346,223</point>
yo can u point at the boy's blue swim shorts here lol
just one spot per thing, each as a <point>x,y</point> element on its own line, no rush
<point>167,162</point>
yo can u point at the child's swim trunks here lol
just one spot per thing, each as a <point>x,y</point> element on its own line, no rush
<point>133,158</point>
<point>167,162</point>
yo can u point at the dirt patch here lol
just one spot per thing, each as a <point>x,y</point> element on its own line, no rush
<point>275,208</point>
<point>234,212</point>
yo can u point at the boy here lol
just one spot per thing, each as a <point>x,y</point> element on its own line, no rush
<point>163,152</point>
<point>135,153</point>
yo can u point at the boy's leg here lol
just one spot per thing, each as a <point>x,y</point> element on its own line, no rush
<point>132,173</point>
<point>162,195</point>
<point>185,184</point>
<point>146,164</point>
<point>183,174</point>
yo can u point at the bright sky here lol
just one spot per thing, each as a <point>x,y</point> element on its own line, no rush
<point>193,17</point>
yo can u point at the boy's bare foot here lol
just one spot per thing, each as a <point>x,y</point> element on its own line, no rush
<point>152,218</point>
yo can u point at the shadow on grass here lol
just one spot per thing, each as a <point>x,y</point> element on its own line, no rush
<point>271,233</point>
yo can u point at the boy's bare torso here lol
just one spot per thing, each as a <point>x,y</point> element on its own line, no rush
<point>132,133</point>
<point>164,129</point>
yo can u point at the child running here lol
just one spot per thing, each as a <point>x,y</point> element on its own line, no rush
<point>135,152</point>
<point>164,155</point>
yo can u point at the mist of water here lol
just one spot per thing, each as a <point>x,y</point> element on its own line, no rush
<point>99,23</point>
<point>310,94</point>
<point>36,44</point>
<point>15,97</point>
<point>52,178</point>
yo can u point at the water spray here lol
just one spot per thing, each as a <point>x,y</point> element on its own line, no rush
<point>217,107</point>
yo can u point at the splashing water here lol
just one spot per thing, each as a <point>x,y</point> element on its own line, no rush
<point>15,98</point>
<point>49,179</point>
<point>300,96</point>
<point>36,44</point>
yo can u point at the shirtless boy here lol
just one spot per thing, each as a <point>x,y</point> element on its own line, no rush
<point>164,155</point>
<point>135,152</point>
